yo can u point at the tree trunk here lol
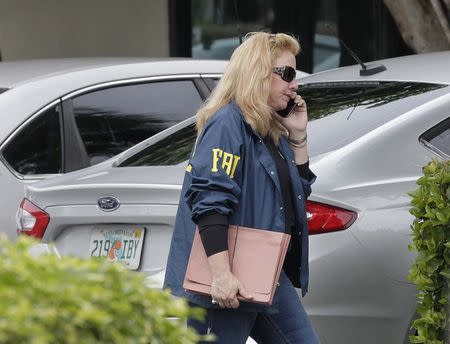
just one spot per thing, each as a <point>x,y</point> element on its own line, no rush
<point>423,24</point>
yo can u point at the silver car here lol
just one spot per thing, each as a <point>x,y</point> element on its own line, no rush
<point>62,115</point>
<point>368,140</point>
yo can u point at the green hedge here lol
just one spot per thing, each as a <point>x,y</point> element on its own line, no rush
<point>70,300</point>
<point>431,233</point>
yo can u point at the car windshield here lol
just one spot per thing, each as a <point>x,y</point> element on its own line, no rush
<point>3,90</point>
<point>338,112</point>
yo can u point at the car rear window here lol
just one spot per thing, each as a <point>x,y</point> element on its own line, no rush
<point>341,112</point>
<point>171,150</point>
<point>437,138</point>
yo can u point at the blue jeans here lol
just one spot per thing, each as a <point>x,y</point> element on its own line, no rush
<point>289,325</point>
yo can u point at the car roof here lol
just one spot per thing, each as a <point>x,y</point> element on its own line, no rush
<point>429,67</point>
<point>14,73</point>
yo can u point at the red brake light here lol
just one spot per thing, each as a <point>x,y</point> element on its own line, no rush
<point>31,220</point>
<point>324,218</point>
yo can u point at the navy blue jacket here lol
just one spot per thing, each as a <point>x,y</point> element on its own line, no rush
<point>232,172</point>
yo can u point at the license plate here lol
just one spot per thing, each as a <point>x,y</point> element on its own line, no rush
<point>118,245</point>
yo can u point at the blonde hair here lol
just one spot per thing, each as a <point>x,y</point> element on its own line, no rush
<point>247,81</point>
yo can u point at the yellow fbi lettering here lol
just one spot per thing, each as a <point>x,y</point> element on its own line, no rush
<point>227,161</point>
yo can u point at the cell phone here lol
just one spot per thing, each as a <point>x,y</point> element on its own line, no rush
<point>287,111</point>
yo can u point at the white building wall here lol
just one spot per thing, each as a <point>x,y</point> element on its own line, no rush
<point>75,28</point>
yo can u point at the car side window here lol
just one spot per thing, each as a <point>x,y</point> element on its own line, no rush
<point>36,149</point>
<point>172,150</point>
<point>114,119</point>
<point>437,138</point>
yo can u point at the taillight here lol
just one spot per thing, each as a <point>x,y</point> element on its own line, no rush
<point>324,218</point>
<point>31,220</point>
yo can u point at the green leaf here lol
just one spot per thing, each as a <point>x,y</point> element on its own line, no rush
<point>445,273</point>
<point>433,265</point>
<point>416,339</point>
<point>447,254</point>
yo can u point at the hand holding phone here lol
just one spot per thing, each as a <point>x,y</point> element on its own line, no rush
<point>288,110</point>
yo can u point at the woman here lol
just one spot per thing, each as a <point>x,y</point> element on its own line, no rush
<point>249,168</point>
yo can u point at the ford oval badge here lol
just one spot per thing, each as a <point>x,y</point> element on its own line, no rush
<point>108,203</point>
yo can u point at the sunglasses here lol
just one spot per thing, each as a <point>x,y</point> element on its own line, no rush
<point>286,73</point>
